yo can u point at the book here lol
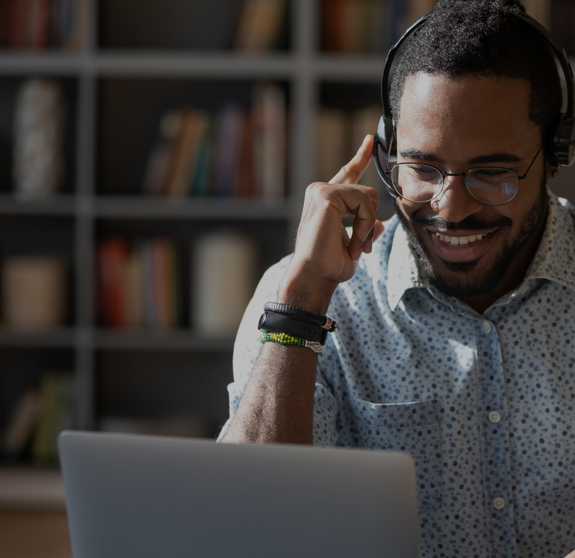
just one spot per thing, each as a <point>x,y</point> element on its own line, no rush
<point>377,31</point>
<point>202,173</point>
<point>354,14</point>
<point>269,134</point>
<point>184,153</point>
<point>244,181</point>
<point>356,26</point>
<point>332,145</point>
<point>53,393</point>
<point>111,282</point>
<point>259,25</point>
<point>134,289</point>
<point>159,158</point>
<point>227,148</point>
<point>364,121</point>
<point>21,425</point>
<point>161,284</point>
<point>41,24</point>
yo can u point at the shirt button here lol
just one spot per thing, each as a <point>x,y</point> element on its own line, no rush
<point>499,503</point>
<point>486,327</point>
<point>494,417</point>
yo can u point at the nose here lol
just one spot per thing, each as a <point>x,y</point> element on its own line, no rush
<point>454,203</point>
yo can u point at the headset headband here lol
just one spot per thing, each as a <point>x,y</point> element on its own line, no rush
<point>564,151</point>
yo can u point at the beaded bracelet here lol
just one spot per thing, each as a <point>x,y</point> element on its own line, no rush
<point>287,339</point>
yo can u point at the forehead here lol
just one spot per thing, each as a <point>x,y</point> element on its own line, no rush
<point>467,113</point>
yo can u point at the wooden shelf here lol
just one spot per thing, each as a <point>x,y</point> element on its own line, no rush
<point>182,64</point>
<point>29,488</point>
<point>23,63</point>
<point>187,340</point>
<point>56,339</point>
<point>57,205</point>
<point>197,208</point>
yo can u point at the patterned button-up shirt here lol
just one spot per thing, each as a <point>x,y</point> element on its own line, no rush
<point>484,403</point>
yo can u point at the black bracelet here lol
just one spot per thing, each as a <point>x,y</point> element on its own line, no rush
<point>324,322</point>
<point>271,321</point>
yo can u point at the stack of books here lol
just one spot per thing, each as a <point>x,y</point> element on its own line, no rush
<point>37,418</point>
<point>42,24</point>
<point>339,134</point>
<point>234,151</point>
<point>138,284</point>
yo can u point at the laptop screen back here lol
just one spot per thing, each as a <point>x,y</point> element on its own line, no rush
<point>144,496</point>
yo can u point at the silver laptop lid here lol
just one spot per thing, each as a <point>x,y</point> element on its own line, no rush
<point>146,496</point>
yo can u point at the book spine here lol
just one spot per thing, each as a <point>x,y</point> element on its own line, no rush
<point>259,25</point>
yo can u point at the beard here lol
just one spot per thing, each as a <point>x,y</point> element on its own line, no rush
<point>464,283</point>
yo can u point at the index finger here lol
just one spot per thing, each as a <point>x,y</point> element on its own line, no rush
<point>352,172</point>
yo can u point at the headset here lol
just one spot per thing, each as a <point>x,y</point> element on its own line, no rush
<point>563,148</point>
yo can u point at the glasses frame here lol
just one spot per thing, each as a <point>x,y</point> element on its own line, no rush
<point>387,171</point>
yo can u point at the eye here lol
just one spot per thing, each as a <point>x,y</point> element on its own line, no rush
<point>490,173</point>
<point>422,170</point>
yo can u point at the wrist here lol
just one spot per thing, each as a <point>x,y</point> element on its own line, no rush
<point>308,293</point>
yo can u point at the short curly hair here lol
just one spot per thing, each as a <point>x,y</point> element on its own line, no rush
<point>483,38</point>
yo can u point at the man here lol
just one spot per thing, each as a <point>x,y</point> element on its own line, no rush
<point>456,324</point>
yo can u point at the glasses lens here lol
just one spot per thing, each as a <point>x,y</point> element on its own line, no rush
<point>416,183</point>
<point>492,186</point>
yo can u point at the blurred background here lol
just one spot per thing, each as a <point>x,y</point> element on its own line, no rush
<point>153,161</point>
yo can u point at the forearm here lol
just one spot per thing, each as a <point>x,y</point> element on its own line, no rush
<point>277,403</point>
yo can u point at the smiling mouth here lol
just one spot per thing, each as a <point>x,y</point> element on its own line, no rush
<point>460,240</point>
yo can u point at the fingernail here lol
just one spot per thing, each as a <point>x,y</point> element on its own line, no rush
<point>365,139</point>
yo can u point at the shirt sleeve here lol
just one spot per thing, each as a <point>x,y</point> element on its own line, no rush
<point>247,348</point>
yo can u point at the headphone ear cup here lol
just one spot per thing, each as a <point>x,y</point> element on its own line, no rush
<point>380,149</point>
<point>562,152</point>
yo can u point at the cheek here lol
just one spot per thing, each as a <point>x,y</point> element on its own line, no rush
<point>408,209</point>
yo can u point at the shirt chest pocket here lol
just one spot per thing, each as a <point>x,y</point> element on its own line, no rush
<point>414,428</point>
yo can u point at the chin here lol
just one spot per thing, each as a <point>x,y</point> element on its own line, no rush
<point>466,280</point>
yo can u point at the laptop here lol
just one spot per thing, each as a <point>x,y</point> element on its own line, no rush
<point>134,496</point>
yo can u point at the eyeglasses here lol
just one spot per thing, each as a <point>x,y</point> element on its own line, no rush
<point>420,183</point>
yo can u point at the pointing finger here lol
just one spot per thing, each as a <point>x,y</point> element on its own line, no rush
<point>352,172</point>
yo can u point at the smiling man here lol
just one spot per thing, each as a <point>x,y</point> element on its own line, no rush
<point>456,322</point>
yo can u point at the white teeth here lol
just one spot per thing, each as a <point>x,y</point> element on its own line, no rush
<point>459,240</point>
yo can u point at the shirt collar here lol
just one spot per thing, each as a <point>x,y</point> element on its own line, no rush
<point>554,259</point>
<point>403,271</point>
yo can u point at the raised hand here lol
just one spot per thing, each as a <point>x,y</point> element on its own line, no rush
<point>325,255</point>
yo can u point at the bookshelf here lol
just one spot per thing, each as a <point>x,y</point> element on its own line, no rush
<point>126,72</point>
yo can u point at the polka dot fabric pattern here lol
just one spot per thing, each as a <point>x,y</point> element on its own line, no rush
<point>484,403</point>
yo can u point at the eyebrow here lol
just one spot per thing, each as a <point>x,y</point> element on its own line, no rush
<point>481,160</point>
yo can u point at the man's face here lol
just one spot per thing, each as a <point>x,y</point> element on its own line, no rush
<point>456,125</point>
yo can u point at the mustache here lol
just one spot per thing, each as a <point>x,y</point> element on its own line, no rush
<point>471,223</point>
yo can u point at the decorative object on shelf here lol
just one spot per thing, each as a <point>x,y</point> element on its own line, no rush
<point>235,151</point>
<point>33,292</point>
<point>260,25</point>
<point>224,268</point>
<point>39,124</point>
